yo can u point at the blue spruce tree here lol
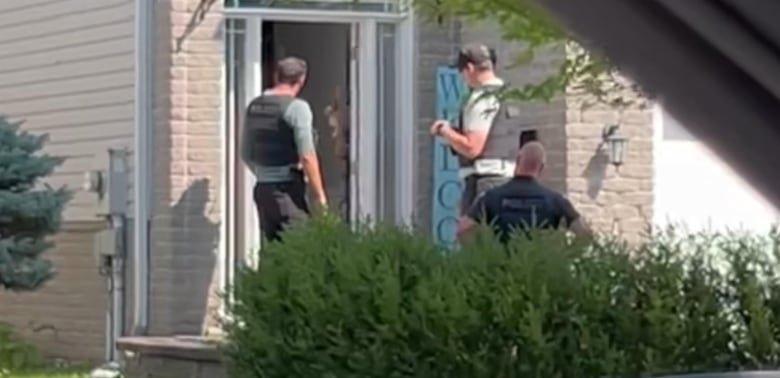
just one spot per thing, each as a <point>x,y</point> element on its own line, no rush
<point>30,211</point>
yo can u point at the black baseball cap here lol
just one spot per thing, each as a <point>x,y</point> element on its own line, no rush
<point>476,54</point>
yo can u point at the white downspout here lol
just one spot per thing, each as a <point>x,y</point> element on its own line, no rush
<point>406,104</point>
<point>144,13</point>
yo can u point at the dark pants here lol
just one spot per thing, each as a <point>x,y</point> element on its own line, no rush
<point>474,186</point>
<point>280,204</point>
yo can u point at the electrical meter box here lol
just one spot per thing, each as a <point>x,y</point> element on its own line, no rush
<point>106,243</point>
<point>110,182</point>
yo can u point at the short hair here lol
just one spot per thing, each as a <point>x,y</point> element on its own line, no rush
<point>532,155</point>
<point>481,56</point>
<point>290,70</point>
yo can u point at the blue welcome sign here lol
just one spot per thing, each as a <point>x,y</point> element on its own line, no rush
<point>446,183</point>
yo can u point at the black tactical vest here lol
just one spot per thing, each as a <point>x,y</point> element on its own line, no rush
<point>270,140</point>
<point>523,204</point>
<point>502,141</point>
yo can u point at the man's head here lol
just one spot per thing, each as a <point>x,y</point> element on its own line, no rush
<point>291,72</point>
<point>531,160</point>
<point>476,62</point>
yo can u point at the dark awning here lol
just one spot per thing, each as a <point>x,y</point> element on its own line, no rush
<point>713,64</point>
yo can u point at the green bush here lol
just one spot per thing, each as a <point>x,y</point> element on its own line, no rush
<point>383,302</point>
<point>15,354</point>
<point>19,359</point>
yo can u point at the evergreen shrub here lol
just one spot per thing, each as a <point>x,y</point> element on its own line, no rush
<point>30,210</point>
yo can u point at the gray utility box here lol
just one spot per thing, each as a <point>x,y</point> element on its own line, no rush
<point>107,244</point>
<point>110,182</point>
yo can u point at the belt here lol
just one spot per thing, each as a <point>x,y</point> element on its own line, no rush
<point>488,167</point>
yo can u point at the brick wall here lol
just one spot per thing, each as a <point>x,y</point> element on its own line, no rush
<point>436,45</point>
<point>614,200</point>
<point>187,171</point>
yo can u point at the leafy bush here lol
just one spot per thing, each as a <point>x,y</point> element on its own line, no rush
<point>383,302</point>
<point>15,354</point>
<point>19,359</point>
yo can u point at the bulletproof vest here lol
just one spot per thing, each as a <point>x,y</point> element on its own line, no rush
<point>524,207</point>
<point>502,141</point>
<point>269,138</point>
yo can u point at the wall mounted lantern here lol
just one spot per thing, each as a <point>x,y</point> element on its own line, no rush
<point>614,143</point>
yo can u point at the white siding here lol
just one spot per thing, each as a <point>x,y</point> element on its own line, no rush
<point>66,69</point>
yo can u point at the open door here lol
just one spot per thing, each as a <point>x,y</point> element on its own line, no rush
<point>375,102</point>
<point>341,89</point>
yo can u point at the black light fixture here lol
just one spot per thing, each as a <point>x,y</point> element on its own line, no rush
<point>615,144</point>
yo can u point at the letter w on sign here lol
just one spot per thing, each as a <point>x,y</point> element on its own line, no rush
<point>446,185</point>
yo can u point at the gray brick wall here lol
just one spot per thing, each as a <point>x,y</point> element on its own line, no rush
<point>436,45</point>
<point>614,200</point>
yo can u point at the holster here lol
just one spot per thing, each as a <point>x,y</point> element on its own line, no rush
<point>298,183</point>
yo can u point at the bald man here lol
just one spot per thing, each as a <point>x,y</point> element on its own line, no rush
<point>523,203</point>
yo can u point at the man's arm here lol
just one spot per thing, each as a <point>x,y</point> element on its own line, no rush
<point>299,116</point>
<point>469,144</point>
<point>477,119</point>
<point>470,221</point>
<point>574,221</point>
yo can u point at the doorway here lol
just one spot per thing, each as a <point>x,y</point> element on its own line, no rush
<point>326,49</point>
<point>360,90</point>
<point>331,89</point>
<point>378,114</point>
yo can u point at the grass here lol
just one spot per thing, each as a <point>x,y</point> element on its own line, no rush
<point>48,373</point>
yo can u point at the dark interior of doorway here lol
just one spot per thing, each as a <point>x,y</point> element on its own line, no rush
<point>326,49</point>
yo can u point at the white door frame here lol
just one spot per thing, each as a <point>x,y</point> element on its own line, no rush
<point>362,183</point>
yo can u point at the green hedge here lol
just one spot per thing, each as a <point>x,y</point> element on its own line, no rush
<point>331,302</point>
<point>15,354</point>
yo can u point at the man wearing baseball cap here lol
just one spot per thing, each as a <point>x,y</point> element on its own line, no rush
<point>486,134</point>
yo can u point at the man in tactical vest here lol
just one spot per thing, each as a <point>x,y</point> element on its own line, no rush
<point>486,136</point>
<point>278,142</point>
<point>523,203</point>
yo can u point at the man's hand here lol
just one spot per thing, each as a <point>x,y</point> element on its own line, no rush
<point>580,228</point>
<point>438,125</point>
<point>466,226</point>
<point>311,169</point>
<point>322,202</point>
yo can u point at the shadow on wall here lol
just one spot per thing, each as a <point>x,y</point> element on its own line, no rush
<point>193,260</point>
<point>183,239</point>
<point>197,17</point>
<point>596,171</point>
